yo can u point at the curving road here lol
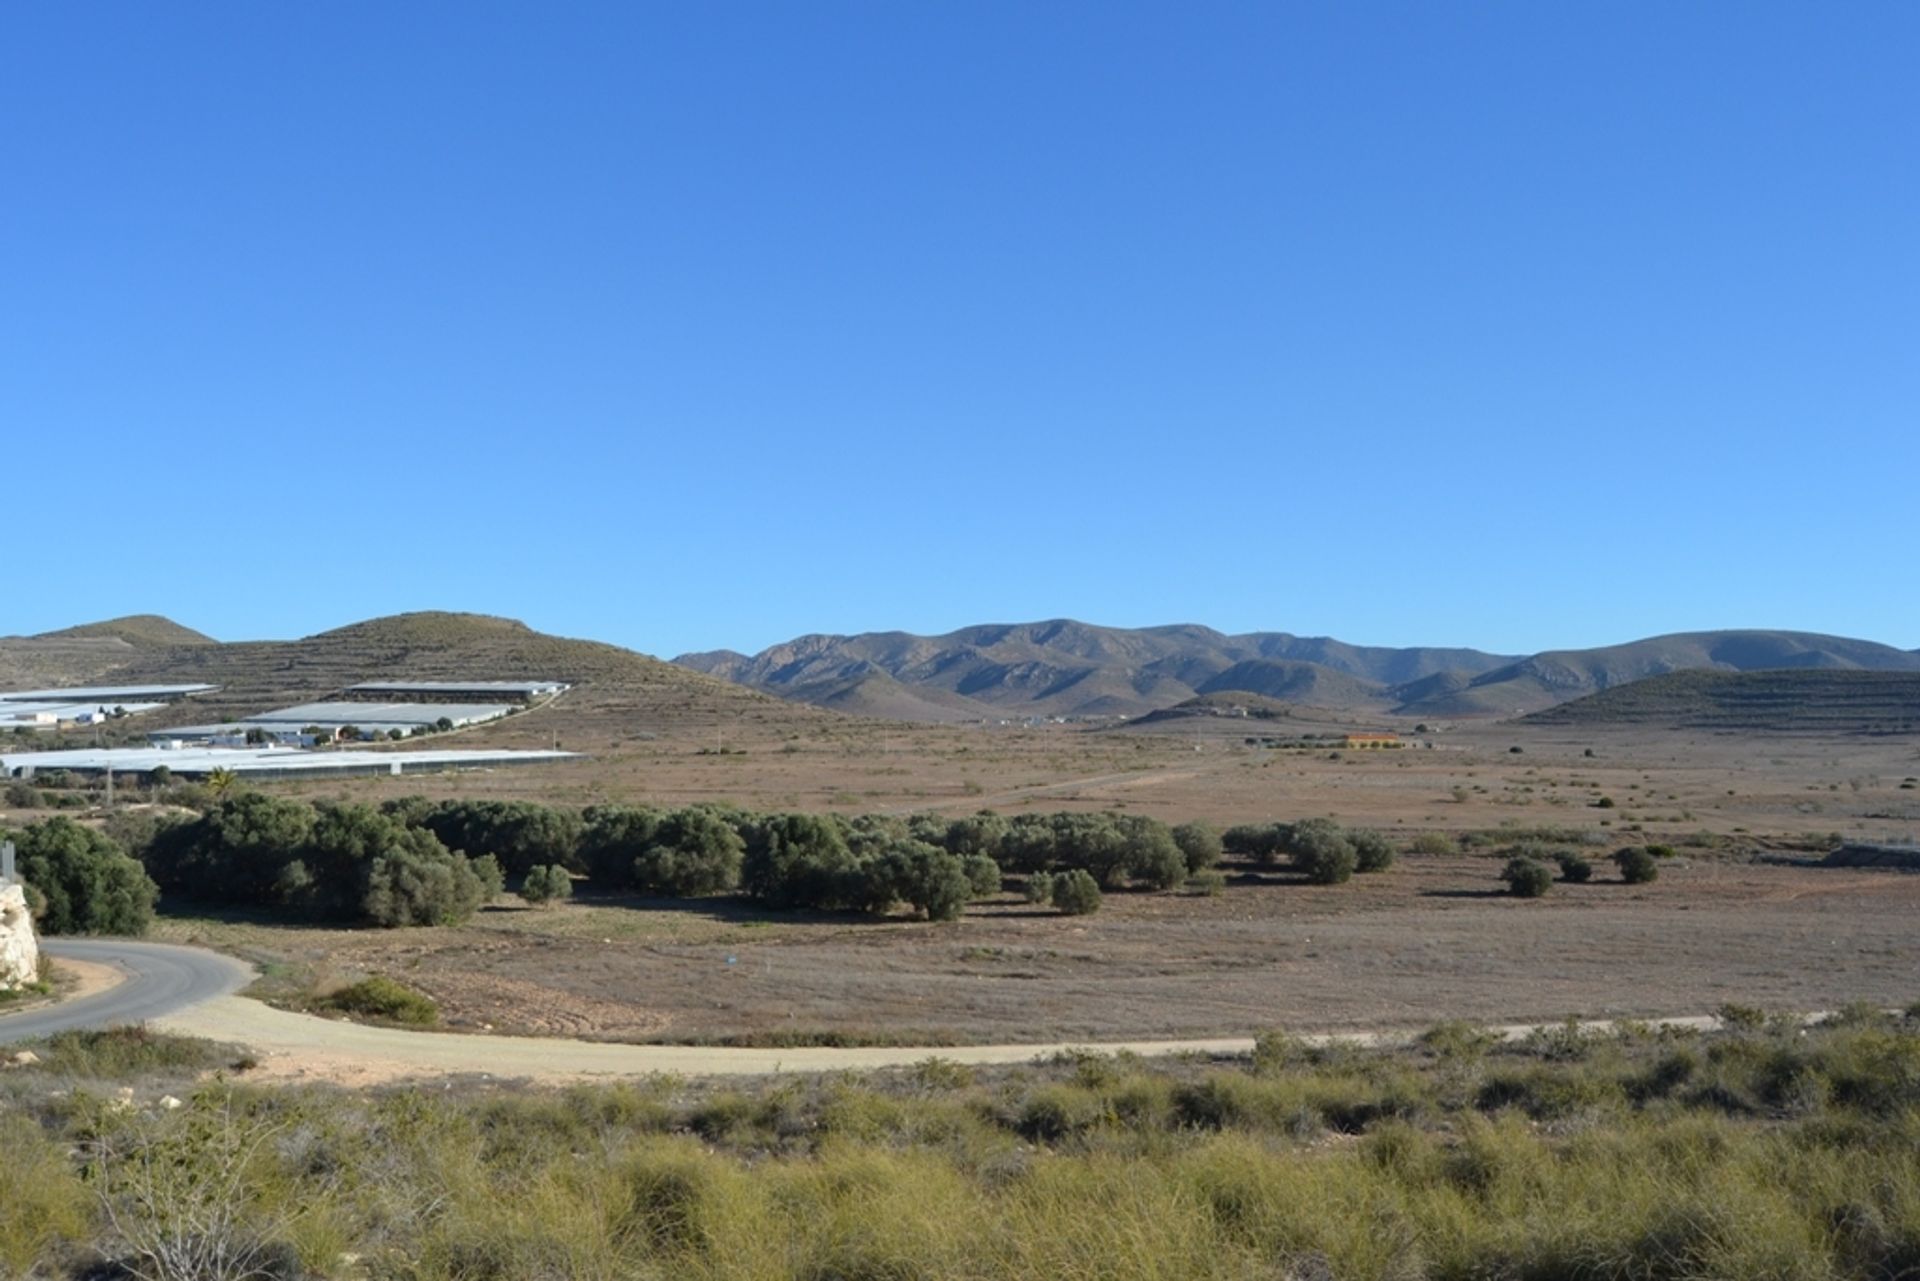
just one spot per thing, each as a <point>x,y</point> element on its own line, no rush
<point>160,980</point>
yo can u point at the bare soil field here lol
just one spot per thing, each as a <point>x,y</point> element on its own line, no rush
<point>1429,939</point>
<point>1662,784</point>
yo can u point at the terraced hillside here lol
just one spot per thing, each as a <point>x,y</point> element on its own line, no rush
<point>616,690</point>
<point>1788,701</point>
<point>91,652</point>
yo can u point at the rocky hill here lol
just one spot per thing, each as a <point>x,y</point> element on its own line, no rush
<point>1067,668</point>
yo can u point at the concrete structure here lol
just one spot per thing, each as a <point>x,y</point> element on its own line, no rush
<point>266,762</point>
<point>518,691</point>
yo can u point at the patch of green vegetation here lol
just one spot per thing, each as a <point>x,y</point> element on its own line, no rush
<point>1764,1150</point>
<point>385,1000</point>
<point>123,1053</point>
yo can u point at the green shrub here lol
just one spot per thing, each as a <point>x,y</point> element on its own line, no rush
<point>48,1207</point>
<point>1208,881</point>
<point>1200,844</point>
<point>1637,866</point>
<point>689,853</point>
<point>548,883</point>
<point>1742,1018</point>
<point>1264,842</point>
<point>121,1053</point>
<point>88,885</point>
<point>1457,1039</point>
<point>1526,878</point>
<point>387,999</point>
<point>523,835</point>
<point>1076,893</point>
<point>493,879</point>
<point>801,860</point>
<point>983,874</point>
<point>1039,888</point>
<point>926,876</point>
<point>421,883</point>
<point>1574,868</point>
<point>1372,851</point>
<point>612,838</point>
<point>1321,850</point>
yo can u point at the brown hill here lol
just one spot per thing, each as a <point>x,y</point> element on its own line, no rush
<point>88,653</point>
<point>618,692</point>
<point>142,631</point>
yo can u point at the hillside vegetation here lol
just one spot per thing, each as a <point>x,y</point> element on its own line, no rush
<point>1065,668</point>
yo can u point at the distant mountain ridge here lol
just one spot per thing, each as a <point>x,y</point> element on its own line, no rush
<point>1061,667</point>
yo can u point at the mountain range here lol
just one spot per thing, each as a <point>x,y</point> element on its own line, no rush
<point>1071,669</point>
<point>999,672</point>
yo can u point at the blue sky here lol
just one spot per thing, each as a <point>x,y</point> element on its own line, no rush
<point>1511,325</point>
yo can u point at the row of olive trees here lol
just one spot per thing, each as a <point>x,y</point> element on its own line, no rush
<point>1318,847</point>
<point>415,861</point>
<point>872,862</point>
<point>1528,876</point>
<point>322,862</point>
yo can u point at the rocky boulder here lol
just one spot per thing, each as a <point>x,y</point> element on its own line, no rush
<point>19,951</point>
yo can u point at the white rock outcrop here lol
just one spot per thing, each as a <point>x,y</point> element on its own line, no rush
<point>19,950</point>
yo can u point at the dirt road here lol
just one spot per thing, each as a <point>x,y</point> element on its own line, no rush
<point>295,1047</point>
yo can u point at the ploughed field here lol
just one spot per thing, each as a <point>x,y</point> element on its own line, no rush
<point>1431,938</point>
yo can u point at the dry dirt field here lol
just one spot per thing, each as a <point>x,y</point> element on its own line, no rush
<point>1429,939</point>
<point>1662,784</point>
<point>1737,920</point>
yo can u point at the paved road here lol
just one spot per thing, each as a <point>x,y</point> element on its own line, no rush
<point>160,980</point>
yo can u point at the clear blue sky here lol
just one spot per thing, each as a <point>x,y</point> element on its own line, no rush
<point>1515,325</point>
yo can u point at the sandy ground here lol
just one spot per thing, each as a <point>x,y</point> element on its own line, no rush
<point>73,980</point>
<point>84,978</point>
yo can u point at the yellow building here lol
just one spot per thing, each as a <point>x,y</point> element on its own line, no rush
<point>1373,740</point>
